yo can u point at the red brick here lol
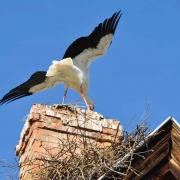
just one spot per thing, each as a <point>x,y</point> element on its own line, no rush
<point>48,127</point>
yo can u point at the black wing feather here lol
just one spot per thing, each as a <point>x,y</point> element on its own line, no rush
<point>107,27</point>
<point>23,89</point>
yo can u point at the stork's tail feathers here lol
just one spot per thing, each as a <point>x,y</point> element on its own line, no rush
<point>26,89</point>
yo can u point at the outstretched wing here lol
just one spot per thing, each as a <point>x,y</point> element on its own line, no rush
<point>24,89</point>
<point>88,48</point>
<point>59,72</point>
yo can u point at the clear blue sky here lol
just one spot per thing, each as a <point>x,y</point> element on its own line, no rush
<point>141,68</point>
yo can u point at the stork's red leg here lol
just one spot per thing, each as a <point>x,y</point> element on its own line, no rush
<point>88,105</point>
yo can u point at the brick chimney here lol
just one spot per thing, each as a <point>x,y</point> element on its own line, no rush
<point>47,127</point>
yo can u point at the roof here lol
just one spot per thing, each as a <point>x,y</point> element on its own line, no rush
<point>164,142</point>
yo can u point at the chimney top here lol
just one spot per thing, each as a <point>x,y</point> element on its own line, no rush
<point>48,124</point>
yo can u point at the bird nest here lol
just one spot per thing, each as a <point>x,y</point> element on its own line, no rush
<point>92,161</point>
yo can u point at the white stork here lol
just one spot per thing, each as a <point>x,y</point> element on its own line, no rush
<point>73,69</point>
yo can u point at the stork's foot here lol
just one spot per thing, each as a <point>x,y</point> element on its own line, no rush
<point>91,107</point>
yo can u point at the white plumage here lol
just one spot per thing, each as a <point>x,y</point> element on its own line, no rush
<point>73,69</point>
